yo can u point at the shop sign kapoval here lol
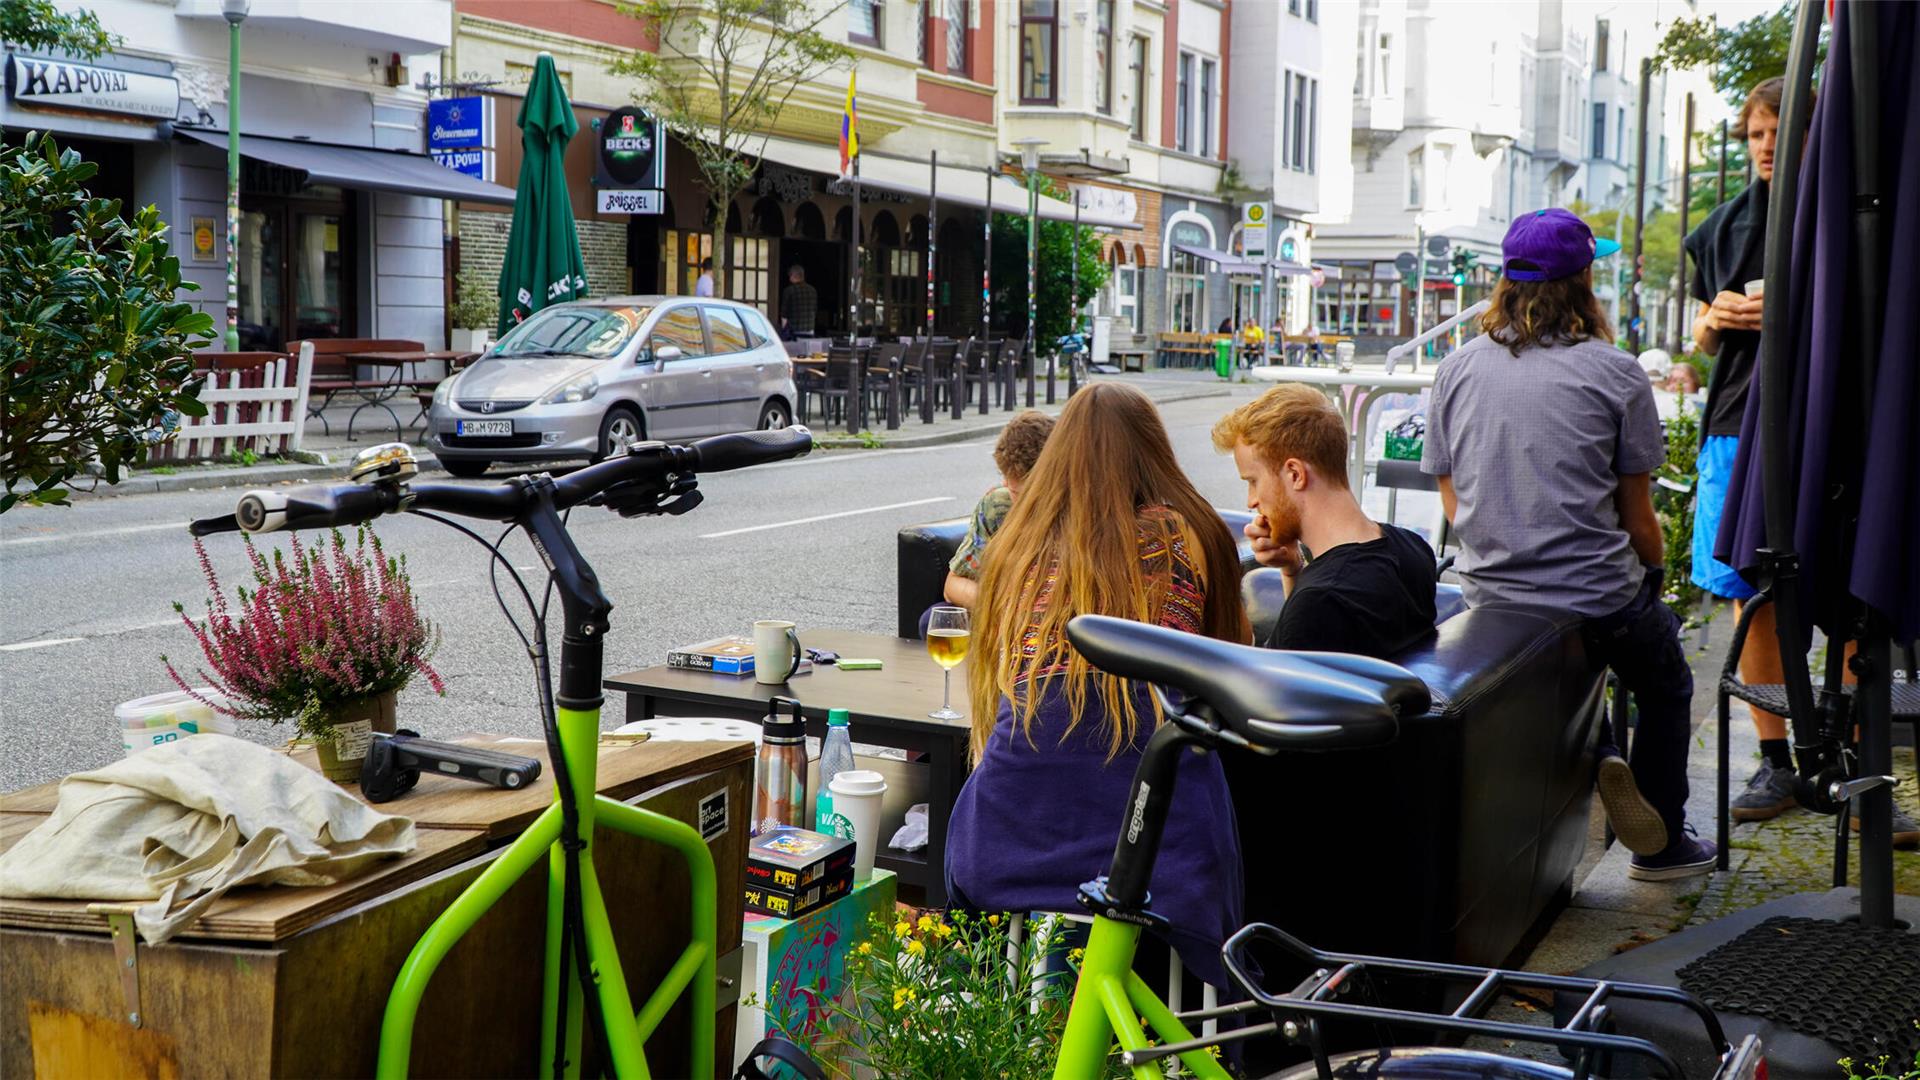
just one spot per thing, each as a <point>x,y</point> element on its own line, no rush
<point>64,84</point>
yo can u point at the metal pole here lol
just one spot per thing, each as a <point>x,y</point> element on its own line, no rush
<point>1419,286</point>
<point>857,378</point>
<point>1686,196</point>
<point>1720,190</point>
<point>1639,205</point>
<point>933,229</point>
<point>1033,275</point>
<point>1073,359</point>
<point>233,184</point>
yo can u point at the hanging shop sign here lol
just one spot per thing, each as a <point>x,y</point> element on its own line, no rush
<point>1106,202</point>
<point>63,84</point>
<point>631,162</point>
<point>204,246</point>
<point>460,134</point>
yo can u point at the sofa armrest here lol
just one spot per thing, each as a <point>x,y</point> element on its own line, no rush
<point>923,553</point>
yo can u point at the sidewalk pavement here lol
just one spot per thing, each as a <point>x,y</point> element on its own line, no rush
<point>330,451</point>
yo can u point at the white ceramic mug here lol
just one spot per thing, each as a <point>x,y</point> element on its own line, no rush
<point>857,794</point>
<point>776,651</point>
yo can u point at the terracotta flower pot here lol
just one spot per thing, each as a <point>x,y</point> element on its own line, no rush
<point>353,724</point>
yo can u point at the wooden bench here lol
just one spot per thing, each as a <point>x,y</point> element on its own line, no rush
<point>1177,348</point>
<point>333,374</point>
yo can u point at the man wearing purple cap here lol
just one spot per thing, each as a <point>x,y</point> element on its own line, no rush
<point>1544,438</point>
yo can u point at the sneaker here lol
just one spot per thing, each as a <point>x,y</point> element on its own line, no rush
<point>1769,794</point>
<point>1688,856</point>
<point>1635,822</point>
<point>1906,834</point>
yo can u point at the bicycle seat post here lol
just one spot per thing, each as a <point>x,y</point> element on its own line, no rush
<point>1123,893</point>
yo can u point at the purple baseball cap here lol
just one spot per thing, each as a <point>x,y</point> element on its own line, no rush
<point>1552,243</point>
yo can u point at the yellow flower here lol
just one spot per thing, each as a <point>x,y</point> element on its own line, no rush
<point>901,929</point>
<point>916,947</point>
<point>944,931</point>
<point>993,920</point>
<point>1076,955</point>
<point>866,948</point>
<point>900,997</point>
<point>926,923</point>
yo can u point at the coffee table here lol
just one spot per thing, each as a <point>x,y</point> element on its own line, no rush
<point>888,707</point>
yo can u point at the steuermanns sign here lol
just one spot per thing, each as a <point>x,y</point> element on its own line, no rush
<point>66,84</point>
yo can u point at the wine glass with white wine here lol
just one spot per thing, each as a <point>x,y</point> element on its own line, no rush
<point>947,640</point>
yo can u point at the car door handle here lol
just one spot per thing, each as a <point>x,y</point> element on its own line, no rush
<point>706,373</point>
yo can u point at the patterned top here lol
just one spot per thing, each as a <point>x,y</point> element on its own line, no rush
<point>800,308</point>
<point>988,515</point>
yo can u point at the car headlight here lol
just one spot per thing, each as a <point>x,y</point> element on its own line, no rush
<point>443,390</point>
<point>578,390</point>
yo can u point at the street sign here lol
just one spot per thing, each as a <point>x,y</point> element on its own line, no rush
<point>1437,246</point>
<point>1253,230</point>
<point>631,202</point>
<point>1404,262</point>
<point>460,134</point>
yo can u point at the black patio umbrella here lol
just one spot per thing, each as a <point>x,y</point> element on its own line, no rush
<point>1825,495</point>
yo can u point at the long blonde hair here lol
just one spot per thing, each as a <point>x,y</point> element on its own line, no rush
<point>1077,516</point>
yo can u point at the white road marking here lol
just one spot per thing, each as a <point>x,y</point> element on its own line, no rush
<point>179,526</point>
<point>826,517</point>
<point>39,643</point>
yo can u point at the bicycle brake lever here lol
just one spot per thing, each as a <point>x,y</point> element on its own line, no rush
<point>672,495</point>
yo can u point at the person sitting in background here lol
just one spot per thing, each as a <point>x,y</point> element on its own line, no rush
<point>1106,524</point>
<point>1544,438</point>
<point>1014,453</point>
<point>1253,344</point>
<point>1684,379</point>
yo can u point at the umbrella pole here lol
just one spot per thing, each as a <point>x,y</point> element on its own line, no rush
<point>1780,563</point>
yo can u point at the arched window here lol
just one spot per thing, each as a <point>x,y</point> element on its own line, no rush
<point>808,224</point>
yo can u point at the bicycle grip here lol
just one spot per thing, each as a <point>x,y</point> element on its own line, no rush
<point>317,507</point>
<point>743,448</point>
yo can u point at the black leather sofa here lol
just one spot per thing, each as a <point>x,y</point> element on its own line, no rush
<point>1455,842</point>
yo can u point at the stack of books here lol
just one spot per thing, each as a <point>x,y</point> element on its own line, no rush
<point>732,655</point>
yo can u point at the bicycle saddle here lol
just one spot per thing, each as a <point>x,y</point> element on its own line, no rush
<point>1271,698</point>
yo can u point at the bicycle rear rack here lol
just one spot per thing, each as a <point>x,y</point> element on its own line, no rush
<point>1586,1038</point>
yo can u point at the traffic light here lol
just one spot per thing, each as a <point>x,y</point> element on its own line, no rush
<point>1462,266</point>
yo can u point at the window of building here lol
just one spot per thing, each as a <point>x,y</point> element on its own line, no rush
<point>1137,121</point>
<point>680,257</point>
<point>1182,99</point>
<point>1416,181</point>
<point>1187,293</point>
<point>1206,108</point>
<point>1384,63</point>
<point>1300,121</point>
<point>1493,71</point>
<point>749,276</point>
<point>864,22</point>
<point>1293,7</point>
<point>1127,297</point>
<point>959,17</point>
<point>1600,35</point>
<point>1313,11</point>
<point>1103,57</point>
<point>1599,130</point>
<point>1360,69</point>
<point>1443,165</point>
<point>1620,134</point>
<point>923,33</point>
<point>1039,51</point>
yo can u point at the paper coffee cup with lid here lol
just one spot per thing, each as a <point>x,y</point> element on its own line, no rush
<point>857,794</point>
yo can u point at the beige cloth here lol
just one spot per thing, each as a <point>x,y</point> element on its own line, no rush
<point>182,823</point>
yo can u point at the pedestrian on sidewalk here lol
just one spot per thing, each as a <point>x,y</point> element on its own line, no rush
<point>1544,438</point>
<point>704,286</point>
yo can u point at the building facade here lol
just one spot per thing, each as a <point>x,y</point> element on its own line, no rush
<point>340,229</point>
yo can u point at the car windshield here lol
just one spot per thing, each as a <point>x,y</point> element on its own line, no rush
<point>573,330</point>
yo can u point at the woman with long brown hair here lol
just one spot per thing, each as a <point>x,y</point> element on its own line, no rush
<point>1107,524</point>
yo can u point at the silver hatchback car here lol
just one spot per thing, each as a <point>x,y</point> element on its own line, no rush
<point>582,380</point>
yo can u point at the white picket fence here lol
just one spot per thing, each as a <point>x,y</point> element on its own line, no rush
<point>261,408</point>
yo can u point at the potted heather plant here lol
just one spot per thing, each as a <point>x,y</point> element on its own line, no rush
<point>327,636</point>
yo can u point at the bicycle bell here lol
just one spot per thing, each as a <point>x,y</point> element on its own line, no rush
<point>386,463</point>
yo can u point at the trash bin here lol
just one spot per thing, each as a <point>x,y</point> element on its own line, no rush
<point>1223,357</point>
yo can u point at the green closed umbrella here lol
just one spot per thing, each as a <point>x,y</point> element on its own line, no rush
<point>543,264</point>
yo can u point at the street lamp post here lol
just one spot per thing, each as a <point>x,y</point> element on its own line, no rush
<point>235,12</point>
<point>1030,164</point>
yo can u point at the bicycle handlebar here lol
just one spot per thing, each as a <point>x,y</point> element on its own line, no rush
<point>333,505</point>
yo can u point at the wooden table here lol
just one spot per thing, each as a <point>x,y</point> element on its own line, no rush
<point>391,385</point>
<point>293,982</point>
<point>888,707</point>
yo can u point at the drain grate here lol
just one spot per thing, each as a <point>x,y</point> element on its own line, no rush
<point>1855,987</point>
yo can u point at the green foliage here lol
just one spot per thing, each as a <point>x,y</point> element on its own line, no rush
<point>39,26</point>
<point>1673,488</point>
<point>1660,245</point>
<point>1054,272</point>
<point>476,302</point>
<point>942,997</point>
<point>720,78</point>
<point>95,360</point>
<point>1882,1067</point>
<point>1741,56</point>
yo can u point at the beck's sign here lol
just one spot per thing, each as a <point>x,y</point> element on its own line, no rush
<point>64,84</point>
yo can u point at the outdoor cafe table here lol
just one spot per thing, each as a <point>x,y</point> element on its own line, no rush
<point>394,379</point>
<point>283,981</point>
<point>887,707</point>
<point>1355,393</point>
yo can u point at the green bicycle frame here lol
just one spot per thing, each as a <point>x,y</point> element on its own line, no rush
<point>1108,1006</point>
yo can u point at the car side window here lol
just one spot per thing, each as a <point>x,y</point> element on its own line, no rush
<point>729,336</point>
<point>757,332</point>
<point>681,327</point>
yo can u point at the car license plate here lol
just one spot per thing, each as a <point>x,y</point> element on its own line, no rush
<point>483,427</point>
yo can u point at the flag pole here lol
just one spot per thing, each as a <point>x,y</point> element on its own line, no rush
<point>986,291</point>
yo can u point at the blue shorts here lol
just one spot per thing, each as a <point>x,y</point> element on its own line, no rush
<point>1709,499</point>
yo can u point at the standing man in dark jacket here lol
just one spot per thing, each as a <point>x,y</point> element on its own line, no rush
<point>799,305</point>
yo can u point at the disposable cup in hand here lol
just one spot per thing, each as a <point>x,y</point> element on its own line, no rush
<point>1756,287</point>
<point>856,800</point>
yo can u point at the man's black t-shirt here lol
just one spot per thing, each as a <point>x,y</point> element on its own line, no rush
<point>1728,250</point>
<point>1372,598</point>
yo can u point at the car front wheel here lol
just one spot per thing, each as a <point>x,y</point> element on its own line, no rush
<point>775,416</point>
<point>620,429</point>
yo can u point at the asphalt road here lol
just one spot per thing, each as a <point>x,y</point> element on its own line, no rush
<point>86,593</point>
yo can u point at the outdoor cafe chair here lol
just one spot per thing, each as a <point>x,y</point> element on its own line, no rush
<point>832,387</point>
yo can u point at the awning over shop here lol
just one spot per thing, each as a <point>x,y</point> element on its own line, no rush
<point>361,167</point>
<point>903,176</point>
<point>1229,263</point>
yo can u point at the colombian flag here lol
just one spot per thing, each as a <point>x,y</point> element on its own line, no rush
<point>849,129</point>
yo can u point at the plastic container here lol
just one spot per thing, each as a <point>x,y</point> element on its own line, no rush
<point>1223,357</point>
<point>857,795</point>
<point>836,757</point>
<point>163,718</point>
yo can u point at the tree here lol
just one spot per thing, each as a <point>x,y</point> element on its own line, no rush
<point>38,25</point>
<point>94,349</point>
<point>1741,57</point>
<point>1053,272</point>
<point>721,75</point>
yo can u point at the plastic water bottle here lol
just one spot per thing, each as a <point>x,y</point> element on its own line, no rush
<point>836,757</point>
